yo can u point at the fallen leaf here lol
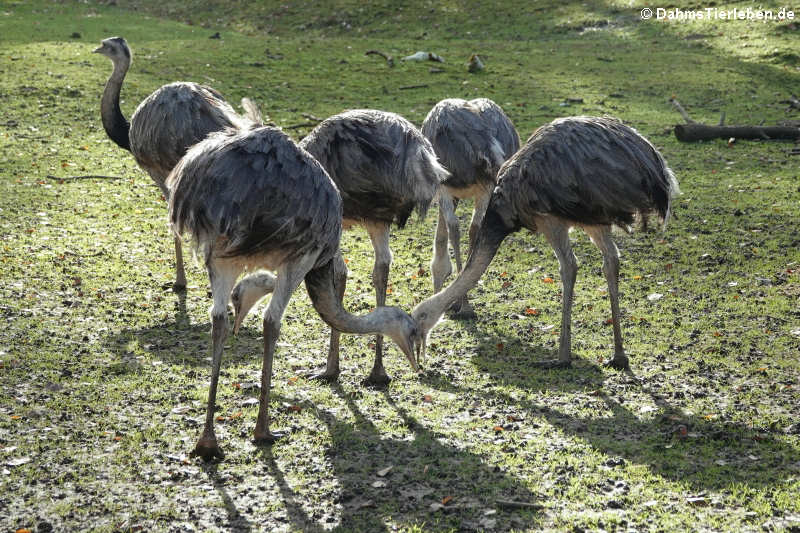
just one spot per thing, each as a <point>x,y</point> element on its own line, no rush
<point>697,501</point>
<point>427,398</point>
<point>446,500</point>
<point>505,285</point>
<point>378,484</point>
<point>500,346</point>
<point>533,311</point>
<point>498,429</point>
<point>383,471</point>
<point>547,280</point>
<point>18,461</point>
<point>654,296</point>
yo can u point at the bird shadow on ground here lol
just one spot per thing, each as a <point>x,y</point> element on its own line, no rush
<point>236,520</point>
<point>442,486</point>
<point>673,443</point>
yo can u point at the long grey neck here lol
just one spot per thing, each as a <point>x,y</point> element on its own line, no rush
<point>320,287</point>
<point>116,125</point>
<point>487,242</point>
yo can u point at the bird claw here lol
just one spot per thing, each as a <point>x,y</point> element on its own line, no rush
<point>377,379</point>
<point>267,438</point>
<point>462,310</point>
<point>553,364</point>
<point>618,362</point>
<point>207,449</point>
<point>324,375</point>
<point>179,287</point>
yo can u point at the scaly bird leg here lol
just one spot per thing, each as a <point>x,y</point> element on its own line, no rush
<point>379,234</point>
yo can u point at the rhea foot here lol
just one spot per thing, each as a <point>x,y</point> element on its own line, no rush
<point>267,438</point>
<point>377,378</point>
<point>553,364</point>
<point>324,375</point>
<point>208,449</point>
<point>179,286</point>
<point>462,310</point>
<point>619,362</point>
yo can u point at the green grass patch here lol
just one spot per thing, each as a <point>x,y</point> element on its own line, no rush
<point>104,370</point>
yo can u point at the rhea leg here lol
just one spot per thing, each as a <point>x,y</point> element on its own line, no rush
<point>180,274</point>
<point>287,280</point>
<point>557,234</point>
<point>331,372</point>
<point>222,278</point>
<point>379,235</point>
<point>478,212</point>
<point>601,237</point>
<point>441,268</point>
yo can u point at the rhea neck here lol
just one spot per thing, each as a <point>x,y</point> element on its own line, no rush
<point>116,125</point>
<point>490,235</point>
<point>321,289</point>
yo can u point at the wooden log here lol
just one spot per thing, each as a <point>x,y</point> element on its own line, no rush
<point>702,132</point>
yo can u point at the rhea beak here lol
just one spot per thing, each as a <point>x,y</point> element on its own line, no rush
<point>238,317</point>
<point>421,345</point>
<point>97,50</point>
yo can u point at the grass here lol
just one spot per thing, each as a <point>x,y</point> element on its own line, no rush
<point>104,370</point>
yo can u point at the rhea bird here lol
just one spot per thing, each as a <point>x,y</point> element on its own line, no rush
<point>254,199</point>
<point>593,173</point>
<point>472,139</point>
<point>164,125</point>
<point>384,169</point>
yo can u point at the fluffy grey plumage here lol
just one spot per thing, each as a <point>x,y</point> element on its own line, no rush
<point>471,138</point>
<point>174,118</point>
<point>254,199</point>
<point>164,125</point>
<point>383,166</point>
<point>384,169</point>
<point>580,171</point>
<point>588,170</point>
<point>255,193</point>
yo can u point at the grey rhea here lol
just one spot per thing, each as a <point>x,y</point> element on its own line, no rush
<point>252,200</point>
<point>472,139</point>
<point>590,172</point>
<point>384,169</point>
<point>164,125</point>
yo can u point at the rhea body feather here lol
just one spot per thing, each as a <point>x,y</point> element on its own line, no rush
<point>590,172</point>
<point>254,199</point>
<point>384,167</point>
<point>472,139</point>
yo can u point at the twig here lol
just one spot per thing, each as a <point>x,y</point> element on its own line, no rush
<point>682,111</point>
<point>510,504</point>
<point>420,86</point>
<point>387,57</point>
<point>99,252</point>
<point>84,177</point>
<point>722,119</point>
<point>309,116</point>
